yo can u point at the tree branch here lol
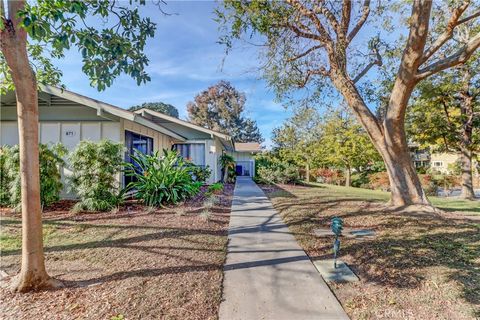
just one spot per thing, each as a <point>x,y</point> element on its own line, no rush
<point>313,17</point>
<point>361,21</point>
<point>303,34</point>
<point>377,61</point>
<point>321,71</point>
<point>461,56</point>
<point>346,13</point>
<point>473,16</point>
<point>330,17</point>
<point>448,33</point>
<point>305,53</point>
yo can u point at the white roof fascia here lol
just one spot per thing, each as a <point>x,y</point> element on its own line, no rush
<point>105,107</point>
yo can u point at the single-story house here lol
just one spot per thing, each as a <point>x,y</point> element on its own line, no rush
<point>69,118</point>
<point>244,158</point>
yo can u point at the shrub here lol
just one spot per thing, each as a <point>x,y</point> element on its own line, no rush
<point>266,175</point>
<point>95,167</point>
<point>360,180</point>
<point>161,180</point>
<point>215,188</point>
<point>50,160</point>
<point>330,176</point>
<point>5,178</point>
<point>280,173</point>
<point>429,184</point>
<point>228,168</point>
<point>379,180</point>
<point>288,174</point>
<point>200,173</point>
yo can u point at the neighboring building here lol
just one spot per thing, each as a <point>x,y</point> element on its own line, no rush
<point>69,118</point>
<point>420,157</point>
<point>443,162</point>
<point>244,158</point>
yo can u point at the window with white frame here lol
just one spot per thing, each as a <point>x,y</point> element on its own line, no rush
<point>194,152</point>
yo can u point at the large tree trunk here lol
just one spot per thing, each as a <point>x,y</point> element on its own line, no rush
<point>467,175</point>
<point>389,140</point>
<point>32,275</point>
<point>467,112</point>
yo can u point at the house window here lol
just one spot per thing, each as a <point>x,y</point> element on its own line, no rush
<point>135,142</point>
<point>194,152</point>
<point>438,164</point>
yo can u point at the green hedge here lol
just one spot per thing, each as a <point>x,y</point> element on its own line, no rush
<point>50,160</point>
<point>95,166</point>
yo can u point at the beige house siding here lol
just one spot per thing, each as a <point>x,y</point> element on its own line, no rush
<point>442,161</point>
<point>160,141</point>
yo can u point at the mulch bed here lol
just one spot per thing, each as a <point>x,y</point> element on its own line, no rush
<point>420,265</point>
<point>135,263</point>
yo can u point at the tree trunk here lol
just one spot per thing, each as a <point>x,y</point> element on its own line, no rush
<point>348,177</point>
<point>467,175</point>
<point>389,139</point>
<point>307,172</point>
<point>32,275</point>
<point>405,186</point>
<point>467,115</point>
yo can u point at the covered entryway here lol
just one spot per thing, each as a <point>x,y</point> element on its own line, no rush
<point>245,168</point>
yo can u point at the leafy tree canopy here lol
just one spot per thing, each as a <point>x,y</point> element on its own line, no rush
<point>297,139</point>
<point>109,49</point>
<point>446,110</point>
<point>161,107</point>
<point>220,108</point>
<point>344,142</point>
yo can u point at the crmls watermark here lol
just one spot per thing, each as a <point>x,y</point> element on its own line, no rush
<point>395,314</point>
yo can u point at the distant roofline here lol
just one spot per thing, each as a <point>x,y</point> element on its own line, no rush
<point>186,124</point>
<point>256,147</point>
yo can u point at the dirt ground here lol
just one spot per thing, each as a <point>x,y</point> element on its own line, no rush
<point>419,266</point>
<point>137,263</point>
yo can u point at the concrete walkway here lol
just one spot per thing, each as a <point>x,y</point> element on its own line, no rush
<point>267,274</point>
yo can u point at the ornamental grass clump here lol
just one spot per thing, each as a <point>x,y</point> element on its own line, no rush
<point>96,166</point>
<point>50,162</point>
<point>215,188</point>
<point>160,180</point>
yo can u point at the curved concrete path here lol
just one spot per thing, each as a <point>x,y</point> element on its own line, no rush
<point>267,274</point>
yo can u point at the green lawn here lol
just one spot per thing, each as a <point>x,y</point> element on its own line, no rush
<point>448,204</point>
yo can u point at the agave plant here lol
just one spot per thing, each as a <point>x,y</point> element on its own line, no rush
<point>160,180</point>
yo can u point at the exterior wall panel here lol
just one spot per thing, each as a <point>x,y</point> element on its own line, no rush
<point>8,133</point>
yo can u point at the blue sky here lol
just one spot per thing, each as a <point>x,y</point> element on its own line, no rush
<point>185,59</point>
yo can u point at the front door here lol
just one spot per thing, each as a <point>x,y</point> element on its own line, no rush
<point>239,170</point>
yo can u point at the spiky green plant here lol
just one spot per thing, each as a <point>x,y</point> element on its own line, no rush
<point>160,180</point>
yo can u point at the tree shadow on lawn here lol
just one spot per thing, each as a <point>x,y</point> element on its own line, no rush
<point>164,232</point>
<point>276,191</point>
<point>406,244</point>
